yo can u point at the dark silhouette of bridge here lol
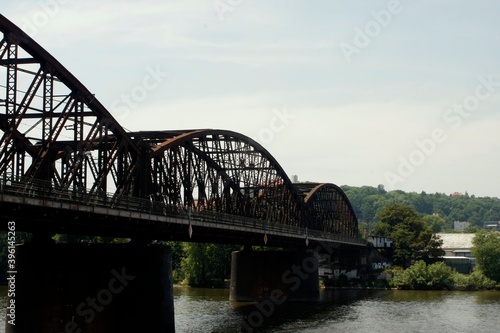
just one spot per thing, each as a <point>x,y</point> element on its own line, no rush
<point>67,166</point>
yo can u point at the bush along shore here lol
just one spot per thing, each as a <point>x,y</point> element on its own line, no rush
<point>438,276</point>
<point>420,276</point>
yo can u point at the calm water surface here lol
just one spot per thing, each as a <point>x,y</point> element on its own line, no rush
<point>387,311</point>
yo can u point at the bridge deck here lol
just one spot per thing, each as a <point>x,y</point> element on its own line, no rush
<point>39,208</point>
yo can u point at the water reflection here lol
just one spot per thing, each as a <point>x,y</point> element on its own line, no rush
<point>208,310</point>
<point>486,297</point>
<point>198,310</point>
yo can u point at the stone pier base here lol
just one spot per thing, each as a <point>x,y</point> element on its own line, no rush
<point>257,276</point>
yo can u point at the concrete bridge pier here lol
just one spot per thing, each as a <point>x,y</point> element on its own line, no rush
<point>276,275</point>
<point>80,288</point>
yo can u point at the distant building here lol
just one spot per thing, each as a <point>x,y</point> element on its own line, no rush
<point>492,225</point>
<point>460,226</point>
<point>455,245</point>
<point>458,251</point>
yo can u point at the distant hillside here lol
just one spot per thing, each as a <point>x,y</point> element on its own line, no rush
<point>368,200</point>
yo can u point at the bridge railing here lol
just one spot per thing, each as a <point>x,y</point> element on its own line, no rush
<point>270,228</point>
<point>47,191</point>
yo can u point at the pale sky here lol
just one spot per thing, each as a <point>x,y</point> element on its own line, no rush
<point>400,93</point>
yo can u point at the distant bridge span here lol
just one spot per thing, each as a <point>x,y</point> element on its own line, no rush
<point>68,166</point>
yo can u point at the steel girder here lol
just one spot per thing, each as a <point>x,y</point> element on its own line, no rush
<point>56,133</point>
<point>53,128</point>
<point>222,171</point>
<point>228,172</point>
<point>328,209</point>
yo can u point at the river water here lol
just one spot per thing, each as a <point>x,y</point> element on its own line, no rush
<point>384,311</point>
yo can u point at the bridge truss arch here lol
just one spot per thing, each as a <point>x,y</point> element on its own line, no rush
<point>220,170</point>
<point>328,209</point>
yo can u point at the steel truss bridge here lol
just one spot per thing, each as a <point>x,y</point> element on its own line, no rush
<point>67,166</point>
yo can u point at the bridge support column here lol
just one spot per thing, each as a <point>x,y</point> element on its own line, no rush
<point>264,275</point>
<point>93,288</point>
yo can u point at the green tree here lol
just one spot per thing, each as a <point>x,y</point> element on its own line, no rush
<point>178,254</point>
<point>433,249</point>
<point>434,222</point>
<point>486,250</point>
<point>207,265</point>
<point>412,237</point>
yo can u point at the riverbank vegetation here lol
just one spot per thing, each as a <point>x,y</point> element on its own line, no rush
<point>486,250</point>
<point>438,276</point>
<point>418,251</point>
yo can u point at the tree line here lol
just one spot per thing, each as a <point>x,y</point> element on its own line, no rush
<point>439,209</point>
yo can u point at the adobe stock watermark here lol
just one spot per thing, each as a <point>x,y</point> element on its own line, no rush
<point>280,120</point>
<point>221,7</point>
<point>371,30</point>
<point>11,273</point>
<point>89,308</point>
<point>153,78</point>
<point>292,278</point>
<point>39,20</point>
<point>454,118</point>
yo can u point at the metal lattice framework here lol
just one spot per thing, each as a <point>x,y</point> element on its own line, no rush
<point>53,127</point>
<point>57,135</point>
<point>222,171</point>
<point>329,209</point>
